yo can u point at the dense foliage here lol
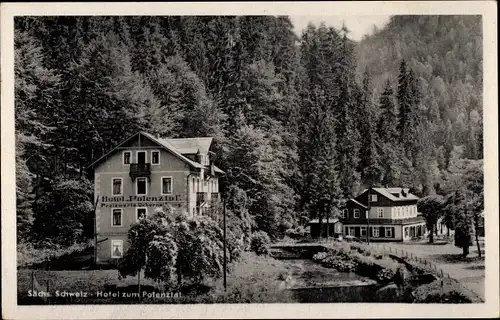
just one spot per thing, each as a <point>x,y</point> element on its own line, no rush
<point>300,123</point>
<point>170,246</point>
<point>259,243</point>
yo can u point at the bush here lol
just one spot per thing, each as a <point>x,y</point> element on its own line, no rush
<point>300,231</point>
<point>253,279</point>
<point>385,275</point>
<point>318,257</point>
<point>448,297</point>
<point>29,255</point>
<point>259,243</point>
<point>296,233</point>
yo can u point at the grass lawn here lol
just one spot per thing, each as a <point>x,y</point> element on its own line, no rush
<point>253,279</point>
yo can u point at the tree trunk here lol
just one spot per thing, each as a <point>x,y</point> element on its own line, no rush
<point>327,225</point>
<point>179,275</point>
<point>465,251</point>
<point>476,226</point>
<point>431,234</point>
<point>447,231</point>
<point>320,217</point>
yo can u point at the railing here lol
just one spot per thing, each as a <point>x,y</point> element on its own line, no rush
<point>140,170</point>
<point>412,258</point>
<point>215,196</point>
<point>201,197</point>
<point>384,221</point>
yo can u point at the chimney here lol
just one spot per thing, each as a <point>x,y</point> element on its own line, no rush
<point>404,192</point>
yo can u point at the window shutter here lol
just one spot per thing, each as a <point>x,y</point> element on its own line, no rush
<point>382,232</point>
<point>393,233</point>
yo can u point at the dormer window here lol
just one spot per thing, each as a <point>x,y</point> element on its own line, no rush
<point>344,213</point>
<point>356,213</point>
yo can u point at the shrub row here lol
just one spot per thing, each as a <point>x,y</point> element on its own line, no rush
<point>434,293</point>
<point>29,255</point>
<point>360,263</point>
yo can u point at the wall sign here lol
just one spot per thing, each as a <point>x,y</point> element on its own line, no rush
<point>139,201</point>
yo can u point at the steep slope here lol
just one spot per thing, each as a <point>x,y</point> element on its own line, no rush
<point>445,52</point>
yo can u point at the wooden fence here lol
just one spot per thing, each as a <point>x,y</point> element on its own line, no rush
<point>431,267</point>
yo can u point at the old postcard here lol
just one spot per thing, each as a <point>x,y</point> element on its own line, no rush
<point>249,160</point>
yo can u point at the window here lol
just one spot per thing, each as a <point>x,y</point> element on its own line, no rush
<point>126,157</point>
<point>116,248</point>
<point>194,185</point>
<point>116,218</point>
<point>375,232</point>
<point>141,186</point>
<point>399,212</point>
<point>352,231</point>
<point>356,213</point>
<point>388,232</point>
<point>380,212</point>
<point>155,157</point>
<point>166,185</point>
<point>117,187</point>
<point>373,198</point>
<point>363,231</point>
<point>406,232</point>
<point>344,213</point>
<point>141,157</point>
<point>141,213</point>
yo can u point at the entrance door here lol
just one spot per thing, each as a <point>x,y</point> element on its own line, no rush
<point>141,157</point>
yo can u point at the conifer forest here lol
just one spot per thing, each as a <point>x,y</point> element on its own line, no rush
<point>301,123</point>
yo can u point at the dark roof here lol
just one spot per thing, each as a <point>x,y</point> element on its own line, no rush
<point>389,193</point>
<point>332,220</point>
<point>191,145</point>
<point>169,146</point>
<point>357,202</point>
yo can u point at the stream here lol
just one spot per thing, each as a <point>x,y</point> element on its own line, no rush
<point>311,282</point>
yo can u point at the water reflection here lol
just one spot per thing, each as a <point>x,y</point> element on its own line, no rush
<point>310,282</point>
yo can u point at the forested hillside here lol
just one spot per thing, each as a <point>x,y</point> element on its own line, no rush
<point>300,123</point>
<point>446,55</point>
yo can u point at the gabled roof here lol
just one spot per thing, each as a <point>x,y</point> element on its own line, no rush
<point>165,143</point>
<point>357,202</point>
<point>191,145</point>
<point>332,220</point>
<point>388,193</point>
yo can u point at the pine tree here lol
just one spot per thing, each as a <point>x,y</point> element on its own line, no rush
<point>386,129</point>
<point>348,138</point>
<point>369,164</point>
<point>35,89</point>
